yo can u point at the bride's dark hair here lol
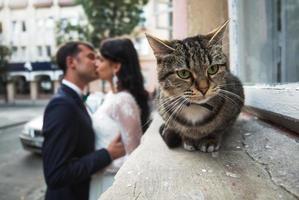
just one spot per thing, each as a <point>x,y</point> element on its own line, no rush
<point>129,76</point>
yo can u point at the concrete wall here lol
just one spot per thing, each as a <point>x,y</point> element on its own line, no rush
<point>205,15</point>
<point>192,17</point>
<point>180,25</point>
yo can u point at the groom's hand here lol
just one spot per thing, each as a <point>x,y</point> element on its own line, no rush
<point>116,148</point>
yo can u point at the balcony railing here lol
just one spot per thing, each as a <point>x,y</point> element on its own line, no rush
<point>17,4</point>
<point>66,2</point>
<point>42,3</point>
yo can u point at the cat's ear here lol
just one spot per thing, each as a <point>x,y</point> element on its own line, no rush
<point>160,47</point>
<point>216,36</point>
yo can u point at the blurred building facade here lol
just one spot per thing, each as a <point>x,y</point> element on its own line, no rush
<point>261,40</point>
<point>158,16</point>
<point>28,28</point>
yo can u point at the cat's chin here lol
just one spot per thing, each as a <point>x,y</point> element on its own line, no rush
<point>204,105</point>
<point>199,101</point>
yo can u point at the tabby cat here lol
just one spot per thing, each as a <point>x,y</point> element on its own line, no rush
<point>198,97</point>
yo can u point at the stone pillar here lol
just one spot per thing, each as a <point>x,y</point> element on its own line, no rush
<point>180,24</point>
<point>56,85</point>
<point>206,15</point>
<point>33,90</point>
<point>10,87</point>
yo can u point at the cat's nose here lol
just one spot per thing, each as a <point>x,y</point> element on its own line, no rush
<point>203,86</point>
<point>203,90</point>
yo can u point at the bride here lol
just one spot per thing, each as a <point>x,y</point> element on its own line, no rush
<point>124,110</point>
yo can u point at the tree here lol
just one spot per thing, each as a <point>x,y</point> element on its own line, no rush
<point>4,57</point>
<point>110,18</point>
<point>67,31</point>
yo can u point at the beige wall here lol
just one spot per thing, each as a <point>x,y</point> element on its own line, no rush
<point>205,15</point>
<point>180,25</point>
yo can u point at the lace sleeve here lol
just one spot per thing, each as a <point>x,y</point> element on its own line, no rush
<point>127,114</point>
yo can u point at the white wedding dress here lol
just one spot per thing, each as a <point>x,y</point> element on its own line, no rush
<point>118,113</point>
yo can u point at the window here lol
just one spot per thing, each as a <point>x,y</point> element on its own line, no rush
<point>74,21</point>
<point>163,12</point>
<point>269,42</point>
<point>14,26</point>
<point>50,23</point>
<point>264,49</point>
<point>39,51</point>
<point>48,48</point>
<point>14,53</point>
<point>141,46</point>
<point>23,52</point>
<point>23,26</point>
<point>40,24</point>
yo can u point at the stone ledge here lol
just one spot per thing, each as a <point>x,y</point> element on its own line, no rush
<point>256,161</point>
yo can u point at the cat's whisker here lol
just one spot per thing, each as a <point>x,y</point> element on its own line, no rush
<point>168,101</point>
<point>166,105</point>
<point>146,123</point>
<point>225,45</point>
<point>180,107</point>
<point>226,97</point>
<point>229,84</point>
<point>176,103</point>
<point>230,99</point>
<point>171,97</point>
<point>177,110</point>
<point>173,111</point>
<point>233,94</point>
<point>172,106</point>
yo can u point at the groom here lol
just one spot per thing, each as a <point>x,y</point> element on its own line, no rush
<point>69,157</point>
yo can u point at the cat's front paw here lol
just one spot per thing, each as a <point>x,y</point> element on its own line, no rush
<point>209,144</point>
<point>188,147</point>
<point>170,137</point>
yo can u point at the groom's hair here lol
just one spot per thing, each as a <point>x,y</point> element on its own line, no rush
<point>69,49</point>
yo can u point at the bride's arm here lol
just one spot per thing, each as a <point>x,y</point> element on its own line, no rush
<point>128,117</point>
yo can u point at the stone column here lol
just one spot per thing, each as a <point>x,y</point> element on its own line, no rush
<point>180,24</point>
<point>56,85</point>
<point>33,90</point>
<point>10,87</point>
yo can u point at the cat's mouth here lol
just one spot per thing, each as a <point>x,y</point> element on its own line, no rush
<point>204,105</point>
<point>207,106</point>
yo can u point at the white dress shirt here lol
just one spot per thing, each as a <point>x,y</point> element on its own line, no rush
<point>73,87</point>
<point>77,90</point>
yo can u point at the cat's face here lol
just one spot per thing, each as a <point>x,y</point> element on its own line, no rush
<point>193,68</point>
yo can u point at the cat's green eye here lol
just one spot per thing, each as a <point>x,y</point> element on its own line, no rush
<point>184,74</point>
<point>213,69</point>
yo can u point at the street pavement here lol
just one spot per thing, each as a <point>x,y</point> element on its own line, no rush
<point>21,175</point>
<point>20,113</point>
<point>20,171</point>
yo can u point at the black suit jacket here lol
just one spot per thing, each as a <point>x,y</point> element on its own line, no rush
<point>69,157</point>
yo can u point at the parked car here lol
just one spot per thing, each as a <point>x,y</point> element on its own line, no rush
<point>31,136</point>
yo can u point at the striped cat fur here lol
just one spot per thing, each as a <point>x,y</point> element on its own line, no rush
<point>198,97</point>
